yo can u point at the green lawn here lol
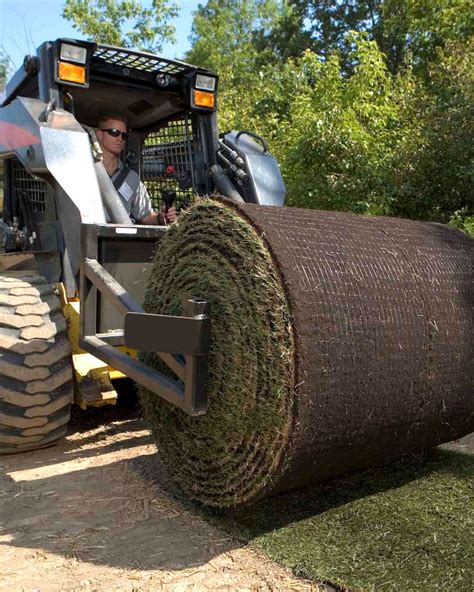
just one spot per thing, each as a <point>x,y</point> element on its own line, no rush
<point>408,527</point>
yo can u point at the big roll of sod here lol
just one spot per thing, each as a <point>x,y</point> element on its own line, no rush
<point>338,342</point>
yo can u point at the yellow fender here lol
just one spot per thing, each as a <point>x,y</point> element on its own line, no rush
<point>93,386</point>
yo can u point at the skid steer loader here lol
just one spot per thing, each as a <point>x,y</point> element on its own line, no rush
<point>73,266</point>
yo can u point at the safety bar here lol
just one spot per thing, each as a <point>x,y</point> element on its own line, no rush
<point>182,342</point>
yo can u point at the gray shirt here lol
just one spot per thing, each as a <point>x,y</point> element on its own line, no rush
<point>134,194</point>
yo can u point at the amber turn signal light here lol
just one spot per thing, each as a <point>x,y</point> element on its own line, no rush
<point>204,99</point>
<point>72,73</point>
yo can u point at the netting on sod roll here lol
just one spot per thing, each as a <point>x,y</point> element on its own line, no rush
<point>338,342</point>
<point>230,455</point>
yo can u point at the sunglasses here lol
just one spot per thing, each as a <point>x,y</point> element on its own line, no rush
<point>115,133</point>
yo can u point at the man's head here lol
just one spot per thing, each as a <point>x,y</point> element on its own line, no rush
<point>112,133</point>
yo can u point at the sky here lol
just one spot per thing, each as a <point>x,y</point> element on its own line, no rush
<point>25,24</point>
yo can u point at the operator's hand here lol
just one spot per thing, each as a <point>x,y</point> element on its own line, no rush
<point>169,215</point>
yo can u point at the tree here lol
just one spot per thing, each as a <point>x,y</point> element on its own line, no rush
<point>323,26</point>
<point>227,38</point>
<point>224,34</point>
<point>124,23</point>
<point>4,66</point>
<point>336,145</point>
<point>406,31</point>
<point>434,164</point>
<point>367,141</point>
<point>413,31</point>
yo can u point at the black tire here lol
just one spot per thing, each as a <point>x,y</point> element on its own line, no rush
<point>36,387</point>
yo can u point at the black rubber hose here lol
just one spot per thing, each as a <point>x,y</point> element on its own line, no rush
<point>225,185</point>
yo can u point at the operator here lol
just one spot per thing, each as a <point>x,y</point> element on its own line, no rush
<point>112,134</point>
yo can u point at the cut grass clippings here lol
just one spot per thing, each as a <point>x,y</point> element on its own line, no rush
<point>407,527</point>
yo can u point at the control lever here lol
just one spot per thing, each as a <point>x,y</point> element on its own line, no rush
<point>168,198</point>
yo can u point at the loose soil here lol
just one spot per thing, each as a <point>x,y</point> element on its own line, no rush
<point>97,513</point>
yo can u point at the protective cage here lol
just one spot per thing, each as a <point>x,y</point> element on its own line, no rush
<point>107,55</point>
<point>169,163</point>
<point>19,180</point>
<point>168,166</point>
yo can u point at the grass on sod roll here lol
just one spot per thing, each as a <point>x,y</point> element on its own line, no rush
<point>407,527</point>
<point>231,454</point>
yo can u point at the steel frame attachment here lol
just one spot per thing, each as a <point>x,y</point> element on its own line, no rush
<point>182,342</point>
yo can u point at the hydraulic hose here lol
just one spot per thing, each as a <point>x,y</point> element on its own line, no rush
<point>225,185</point>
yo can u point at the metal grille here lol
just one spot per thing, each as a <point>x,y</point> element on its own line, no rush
<point>168,162</point>
<point>35,189</point>
<point>139,61</point>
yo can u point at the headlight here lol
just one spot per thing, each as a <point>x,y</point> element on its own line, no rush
<point>205,82</point>
<point>73,53</point>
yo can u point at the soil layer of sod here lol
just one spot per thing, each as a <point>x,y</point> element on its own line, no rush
<point>338,342</point>
<point>406,527</point>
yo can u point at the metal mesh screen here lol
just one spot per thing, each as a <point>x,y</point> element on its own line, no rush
<point>168,162</point>
<point>139,61</point>
<point>36,189</point>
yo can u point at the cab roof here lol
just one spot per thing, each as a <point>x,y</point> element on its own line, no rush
<point>135,71</point>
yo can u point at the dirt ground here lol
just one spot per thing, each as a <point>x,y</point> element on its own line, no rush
<point>96,513</point>
<point>85,516</point>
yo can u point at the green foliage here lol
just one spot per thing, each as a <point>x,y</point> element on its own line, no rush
<point>332,134</point>
<point>4,65</point>
<point>412,31</point>
<point>353,130</point>
<point>434,165</point>
<point>461,220</point>
<point>407,31</point>
<point>368,105</point>
<point>340,132</point>
<point>226,35</point>
<point>123,22</point>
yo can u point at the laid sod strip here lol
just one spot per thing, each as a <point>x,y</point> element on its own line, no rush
<point>338,342</point>
<point>408,527</point>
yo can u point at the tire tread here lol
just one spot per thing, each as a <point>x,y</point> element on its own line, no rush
<point>36,388</point>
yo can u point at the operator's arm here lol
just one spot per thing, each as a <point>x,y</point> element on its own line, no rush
<point>142,211</point>
<point>163,217</point>
<point>151,218</point>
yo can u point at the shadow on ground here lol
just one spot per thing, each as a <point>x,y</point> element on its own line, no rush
<point>246,523</point>
<point>277,512</point>
<point>85,499</point>
<point>103,496</point>
<point>86,516</point>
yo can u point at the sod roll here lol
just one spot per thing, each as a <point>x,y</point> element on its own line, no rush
<point>338,342</point>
